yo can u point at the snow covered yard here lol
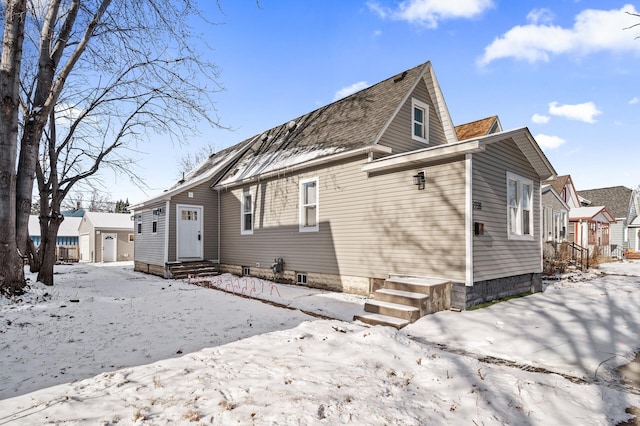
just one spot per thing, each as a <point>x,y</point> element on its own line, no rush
<point>263,364</point>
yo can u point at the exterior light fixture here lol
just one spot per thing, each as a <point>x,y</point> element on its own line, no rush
<point>419,179</point>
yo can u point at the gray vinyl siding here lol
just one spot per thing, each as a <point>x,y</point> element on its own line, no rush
<point>369,226</point>
<point>494,254</point>
<point>398,134</point>
<point>208,199</point>
<point>616,234</point>
<point>149,247</point>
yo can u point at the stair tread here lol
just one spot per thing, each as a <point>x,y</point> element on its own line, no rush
<point>417,281</point>
<point>392,305</point>
<point>407,294</point>
<point>393,321</point>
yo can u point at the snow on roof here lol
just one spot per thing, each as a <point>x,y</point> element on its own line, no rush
<point>110,220</point>
<point>349,124</point>
<point>590,213</point>
<point>68,227</point>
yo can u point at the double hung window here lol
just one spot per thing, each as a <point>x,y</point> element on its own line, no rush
<point>309,205</point>
<point>419,121</point>
<point>519,207</point>
<point>246,213</point>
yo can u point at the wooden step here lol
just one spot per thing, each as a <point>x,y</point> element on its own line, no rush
<point>409,313</point>
<point>378,319</point>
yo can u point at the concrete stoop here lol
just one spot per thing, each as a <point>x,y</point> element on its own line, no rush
<point>405,299</point>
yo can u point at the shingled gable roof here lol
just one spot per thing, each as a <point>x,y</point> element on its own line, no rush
<point>348,126</point>
<point>616,199</point>
<point>478,128</point>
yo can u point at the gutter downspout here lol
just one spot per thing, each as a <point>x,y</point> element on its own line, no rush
<point>167,206</point>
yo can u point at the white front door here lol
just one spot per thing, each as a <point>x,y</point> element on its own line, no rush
<point>189,232</point>
<point>109,247</point>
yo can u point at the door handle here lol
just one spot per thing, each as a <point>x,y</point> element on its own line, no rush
<point>199,236</point>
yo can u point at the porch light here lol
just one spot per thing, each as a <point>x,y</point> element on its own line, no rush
<point>419,179</point>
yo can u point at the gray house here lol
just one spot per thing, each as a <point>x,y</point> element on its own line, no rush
<point>622,203</point>
<point>372,188</point>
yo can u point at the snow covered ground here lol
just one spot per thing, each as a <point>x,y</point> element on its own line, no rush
<point>107,345</point>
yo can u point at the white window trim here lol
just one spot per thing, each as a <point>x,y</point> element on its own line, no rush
<point>244,231</point>
<point>520,182</point>
<point>155,215</point>
<point>415,103</point>
<point>139,223</point>
<point>301,206</point>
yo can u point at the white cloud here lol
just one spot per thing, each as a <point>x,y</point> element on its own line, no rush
<point>593,31</point>
<point>548,142</point>
<point>429,12</point>
<point>634,100</point>
<point>537,16</point>
<point>581,112</point>
<point>618,123</point>
<point>540,119</point>
<point>346,91</point>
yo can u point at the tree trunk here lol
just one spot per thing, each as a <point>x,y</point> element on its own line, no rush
<point>11,264</point>
<point>35,257</point>
<point>48,250</point>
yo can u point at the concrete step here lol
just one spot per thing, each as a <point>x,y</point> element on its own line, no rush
<point>422,285</point>
<point>377,319</point>
<point>409,313</point>
<point>401,297</point>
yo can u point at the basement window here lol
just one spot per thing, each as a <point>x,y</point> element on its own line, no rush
<point>301,278</point>
<point>246,271</point>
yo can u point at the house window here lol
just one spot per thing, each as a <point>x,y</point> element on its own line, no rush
<point>309,205</point>
<point>139,224</point>
<point>301,278</point>
<point>519,207</point>
<point>419,121</point>
<point>246,271</point>
<point>130,238</point>
<point>154,222</point>
<point>246,213</point>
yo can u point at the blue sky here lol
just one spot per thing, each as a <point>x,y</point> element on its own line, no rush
<point>566,69</point>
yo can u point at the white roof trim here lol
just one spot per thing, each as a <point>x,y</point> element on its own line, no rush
<point>521,136</point>
<point>423,155</point>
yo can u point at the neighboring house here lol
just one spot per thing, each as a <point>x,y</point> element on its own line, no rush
<point>373,185</point>
<point>555,216</point>
<point>67,240</point>
<point>563,185</point>
<point>622,203</point>
<point>106,237</point>
<point>592,227</point>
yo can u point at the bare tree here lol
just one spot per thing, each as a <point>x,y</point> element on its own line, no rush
<point>118,70</point>
<point>189,161</point>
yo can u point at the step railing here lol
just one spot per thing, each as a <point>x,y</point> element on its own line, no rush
<point>579,256</point>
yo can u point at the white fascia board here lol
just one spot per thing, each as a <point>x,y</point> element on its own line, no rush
<point>424,156</point>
